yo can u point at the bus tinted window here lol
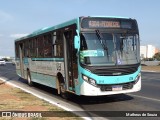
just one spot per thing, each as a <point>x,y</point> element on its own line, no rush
<point>47,45</point>
<point>57,44</point>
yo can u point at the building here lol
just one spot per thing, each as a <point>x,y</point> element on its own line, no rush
<point>143,52</point>
<point>148,51</point>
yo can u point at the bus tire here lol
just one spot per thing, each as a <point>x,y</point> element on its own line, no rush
<point>64,94</point>
<point>30,83</point>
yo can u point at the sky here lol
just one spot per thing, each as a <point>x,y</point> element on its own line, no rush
<point>21,17</point>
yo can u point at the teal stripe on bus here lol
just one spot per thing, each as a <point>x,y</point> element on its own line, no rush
<point>48,59</point>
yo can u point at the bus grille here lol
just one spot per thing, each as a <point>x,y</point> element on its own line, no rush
<point>125,86</point>
<point>115,71</point>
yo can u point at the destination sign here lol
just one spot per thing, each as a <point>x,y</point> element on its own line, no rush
<point>109,23</point>
<point>102,24</point>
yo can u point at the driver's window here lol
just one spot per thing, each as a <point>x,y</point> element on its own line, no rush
<point>83,43</point>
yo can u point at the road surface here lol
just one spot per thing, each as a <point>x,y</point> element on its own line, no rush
<point>148,99</point>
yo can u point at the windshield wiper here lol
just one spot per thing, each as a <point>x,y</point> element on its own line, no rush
<point>100,38</point>
<point>99,35</point>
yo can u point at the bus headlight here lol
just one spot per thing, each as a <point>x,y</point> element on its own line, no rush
<point>137,78</point>
<point>85,78</point>
<point>89,80</point>
<point>93,82</point>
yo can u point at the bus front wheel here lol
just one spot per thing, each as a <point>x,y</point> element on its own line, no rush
<point>62,87</point>
<point>64,94</point>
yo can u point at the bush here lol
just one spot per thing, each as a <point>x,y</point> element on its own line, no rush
<point>157,56</point>
<point>148,59</point>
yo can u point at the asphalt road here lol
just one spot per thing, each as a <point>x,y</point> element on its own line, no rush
<point>148,99</point>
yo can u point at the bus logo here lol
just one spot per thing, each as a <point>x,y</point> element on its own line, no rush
<point>118,73</point>
<point>6,114</point>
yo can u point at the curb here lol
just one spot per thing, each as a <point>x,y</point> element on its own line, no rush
<point>40,97</point>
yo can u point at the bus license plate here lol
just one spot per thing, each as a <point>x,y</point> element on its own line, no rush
<point>116,88</point>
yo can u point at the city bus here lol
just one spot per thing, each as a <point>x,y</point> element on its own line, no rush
<point>89,56</point>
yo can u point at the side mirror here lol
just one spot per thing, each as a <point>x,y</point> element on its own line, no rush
<point>76,42</point>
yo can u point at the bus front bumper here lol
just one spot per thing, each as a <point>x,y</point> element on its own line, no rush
<point>90,90</point>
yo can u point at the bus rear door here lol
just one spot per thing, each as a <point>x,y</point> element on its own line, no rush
<point>21,53</point>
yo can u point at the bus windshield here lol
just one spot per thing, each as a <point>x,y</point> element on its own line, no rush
<point>109,49</point>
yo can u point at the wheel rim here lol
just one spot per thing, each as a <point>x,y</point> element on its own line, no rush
<point>62,88</point>
<point>29,80</point>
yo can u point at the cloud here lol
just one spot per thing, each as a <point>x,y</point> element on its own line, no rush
<point>5,17</point>
<point>18,35</point>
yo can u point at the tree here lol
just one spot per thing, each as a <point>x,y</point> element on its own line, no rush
<point>157,56</point>
<point>5,59</point>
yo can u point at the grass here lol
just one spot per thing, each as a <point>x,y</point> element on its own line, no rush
<point>14,99</point>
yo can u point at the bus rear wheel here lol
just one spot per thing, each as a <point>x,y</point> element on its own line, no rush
<point>30,83</point>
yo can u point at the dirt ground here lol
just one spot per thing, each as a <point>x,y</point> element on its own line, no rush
<point>151,68</point>
<point>14,99</point>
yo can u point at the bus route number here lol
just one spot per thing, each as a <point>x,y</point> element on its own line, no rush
<point>58,66</point>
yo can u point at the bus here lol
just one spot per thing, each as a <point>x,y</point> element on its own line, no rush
<point>89,56</point>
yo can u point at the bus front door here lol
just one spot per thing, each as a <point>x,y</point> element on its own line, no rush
<point>70,60</point>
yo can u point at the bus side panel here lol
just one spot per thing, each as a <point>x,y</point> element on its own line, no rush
<point>43,79</point>
<point>44,70</point>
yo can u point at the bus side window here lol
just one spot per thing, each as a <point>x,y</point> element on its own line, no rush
<point>54,43</point>
<point>57,45</point>
<point>47,45</point>
<point>26,49</point>
<point>32,48</point>
<point>40,47</point>
<point>17,49</point>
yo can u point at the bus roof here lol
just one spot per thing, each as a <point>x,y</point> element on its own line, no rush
<point>48,29</point>
<point>111,17</point>
<point>76,20</point>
